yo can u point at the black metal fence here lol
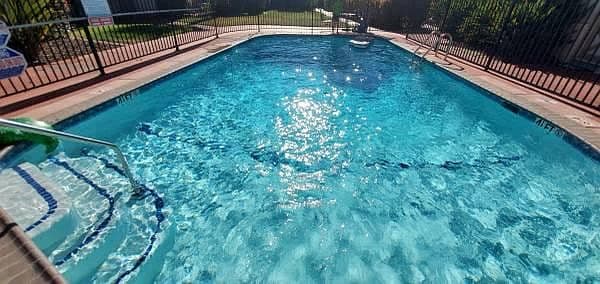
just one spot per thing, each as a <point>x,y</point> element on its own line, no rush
<point>63,49</point>
<point>58,50</point>
<point>553,45</point>
<point>131,6</point>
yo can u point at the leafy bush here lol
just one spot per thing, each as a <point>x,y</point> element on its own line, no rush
<point>239,7</point>
<point>531,24</point>
<point>542,25</point>
<point>398,15</point>
<point>479,28</point>
<point>16,12</point>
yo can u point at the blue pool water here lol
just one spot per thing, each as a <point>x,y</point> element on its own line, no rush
<point>301,159</point>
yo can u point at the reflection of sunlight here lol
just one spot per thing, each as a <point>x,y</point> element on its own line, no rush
<point>308,144</point>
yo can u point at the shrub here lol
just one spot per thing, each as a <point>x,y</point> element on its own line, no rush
<point>15,12</point>
<point>399,15</point>
<point>531,24</point>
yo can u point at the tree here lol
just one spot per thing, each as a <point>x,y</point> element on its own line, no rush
<point>28,40</point>
<point>509,25</point>
<point>399,15</point>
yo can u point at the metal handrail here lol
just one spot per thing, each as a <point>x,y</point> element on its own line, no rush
<point>448,37</point>
<point>436,44</point>
<point>431,35</point>
<point>137,190</point>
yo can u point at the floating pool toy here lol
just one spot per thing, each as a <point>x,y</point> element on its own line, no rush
<point>360,43</point>
<point>9,136</point>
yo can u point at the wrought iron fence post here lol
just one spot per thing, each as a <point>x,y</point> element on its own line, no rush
<point>174,34</point>
<point>312,21</point>
<point>258,22</point>
<point>90,40</point>
<point>500,34</point>
<point>215,23</point>
<point>331,23</point>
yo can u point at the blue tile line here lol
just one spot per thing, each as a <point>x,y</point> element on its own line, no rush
<point>47,196</point>
<point>159,204</point>
<point>104,193</point>
<point>160,217</point>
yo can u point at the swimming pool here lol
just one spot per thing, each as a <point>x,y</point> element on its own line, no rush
<point>302,159</point>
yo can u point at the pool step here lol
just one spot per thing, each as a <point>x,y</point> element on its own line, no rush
<point>84,267</point>
<point>40,206</point>
<point>150,268</point>
<point>113,231</point>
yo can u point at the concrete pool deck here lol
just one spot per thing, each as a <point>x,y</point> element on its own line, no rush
<point>20,259</point>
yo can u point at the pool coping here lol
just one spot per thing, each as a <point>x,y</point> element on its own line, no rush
<point>547,112</point>
<point>23,261</point>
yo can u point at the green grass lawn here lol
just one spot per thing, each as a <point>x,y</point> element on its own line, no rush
<point>272,17</point>
<point>307,18</point>
<point>130,33</point>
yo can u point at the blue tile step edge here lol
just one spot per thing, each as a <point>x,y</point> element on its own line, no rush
<point>152,267</point>
<point>40,206</point>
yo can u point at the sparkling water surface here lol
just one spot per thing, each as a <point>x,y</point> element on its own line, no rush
<point>302,159</point>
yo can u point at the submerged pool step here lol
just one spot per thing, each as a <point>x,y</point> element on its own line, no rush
<point>147,226</point>
<point>85,265</point>
<point>152,267</point>
<point>113,239</point>
<point>38,204</point>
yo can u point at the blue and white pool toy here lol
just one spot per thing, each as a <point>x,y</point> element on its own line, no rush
<point>360,43</point>
<point>12,62</point>
<point>4,34</point>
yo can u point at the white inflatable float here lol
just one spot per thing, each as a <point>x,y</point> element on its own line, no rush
<point>360,43</point>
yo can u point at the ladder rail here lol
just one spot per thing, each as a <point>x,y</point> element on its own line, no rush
<point>436,43</point>
<point>429,39</point>
<point>137,189</point>
<point>448,37</point>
